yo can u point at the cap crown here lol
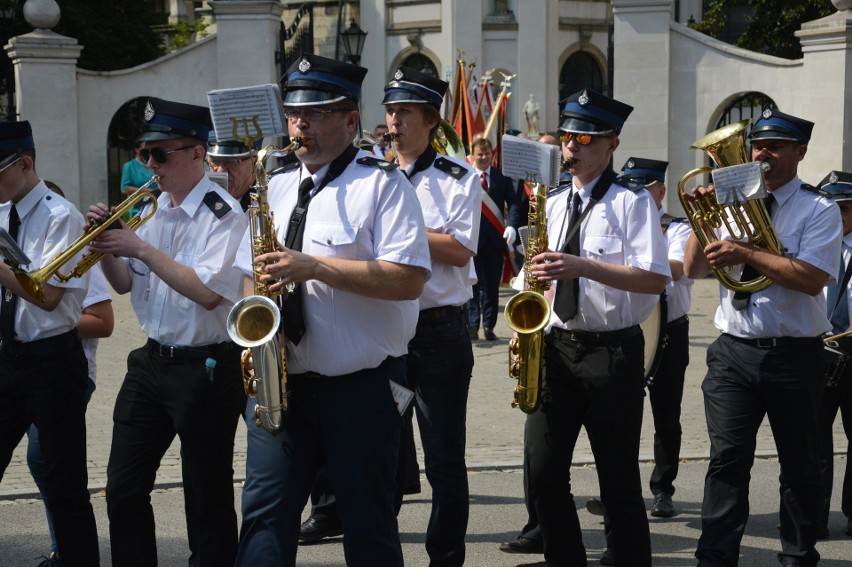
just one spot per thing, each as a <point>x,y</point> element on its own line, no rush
<point>590,112</point>
<point>314,80</point>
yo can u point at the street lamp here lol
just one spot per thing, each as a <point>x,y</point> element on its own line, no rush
<point>353,42</point>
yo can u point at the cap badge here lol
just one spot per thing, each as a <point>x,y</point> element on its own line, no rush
<point>584,99</point>
<point>455,170</point>
<point>630,164</point>
<point>767,113</point>
<point>149,112</point>
<point>832,178</point>
<point>304,66</point>
<point>398,75</point>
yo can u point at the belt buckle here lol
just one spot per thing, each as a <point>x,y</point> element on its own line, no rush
<point>167,351</point>
<point>767,342</point>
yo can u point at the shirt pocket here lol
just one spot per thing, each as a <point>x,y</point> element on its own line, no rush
<point>789,246</point>
<point>606,248</point>
<point>332,240</point>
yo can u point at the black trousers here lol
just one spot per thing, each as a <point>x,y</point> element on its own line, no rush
<point>599,386</point>
<point>45,385</point>
<point>160,398</point>
<point>836,399</point>
<point>744,383</point>
<point>666,393</point>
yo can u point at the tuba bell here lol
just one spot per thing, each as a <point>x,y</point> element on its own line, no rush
<point>748,220</point>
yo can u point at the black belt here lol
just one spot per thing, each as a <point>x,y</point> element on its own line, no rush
<point>579,336</point>
<point>50,346</point>
<point>190,353</point>
<point>438,314</point>
<point>682,320</point>
<point>770,342</point>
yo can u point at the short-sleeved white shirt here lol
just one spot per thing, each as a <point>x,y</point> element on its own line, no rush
<point>810,229</point>
<point>49,225</point>
<point>366,213</point>
<point>679,292</point>
<point>98,292</point>
<point>450,206</point>
<point>623,228</point>
<point>194,236</point>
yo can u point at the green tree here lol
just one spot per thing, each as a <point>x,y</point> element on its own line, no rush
<point>771,26</point>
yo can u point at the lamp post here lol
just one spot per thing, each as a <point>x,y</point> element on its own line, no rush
<point>353,42</point>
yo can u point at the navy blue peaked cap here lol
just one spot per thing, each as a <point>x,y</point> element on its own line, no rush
<point>166,120</point>
<point>315,80</point>
<point>640,172</point>
<point>410,85</point>
<point>15,137</point>
<point>775,125</point>
<point>837,186</point>
<point>228,148</point>
<point>590,112</point>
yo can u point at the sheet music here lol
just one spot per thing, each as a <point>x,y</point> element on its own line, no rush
<point>531,161</point>
<point>247,112</point>
<point>739,183</point>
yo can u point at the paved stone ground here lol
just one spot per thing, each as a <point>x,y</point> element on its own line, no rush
<point>495,430</point>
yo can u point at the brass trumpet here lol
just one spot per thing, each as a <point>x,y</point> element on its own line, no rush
<point>33,282</point>
<point>749,220</point>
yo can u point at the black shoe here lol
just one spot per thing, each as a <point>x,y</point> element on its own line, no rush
<point>608,558</point>
<point>313,530</point>
<point>790,563</point>
<point>523,545</point>
<point>474,333</point>
<point>662,506</point>
<point>489,335</point>
<point>848,527</point>
<point>595,507</point>
<point>822,532</point>
<point>50,561</point>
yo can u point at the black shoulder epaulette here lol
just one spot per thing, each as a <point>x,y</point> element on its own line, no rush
<point>455,170</point>
<point>283,169</point>
<point>811,188</point>
<point>216,204</point>
<point>376,162</point>
<point>561,188</point>
<point>679,219</point>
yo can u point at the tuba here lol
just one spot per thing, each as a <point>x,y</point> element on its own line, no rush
<point>254,322</point>
<point>528,312</point>
<point>33,282</point>
<point>749,220</point>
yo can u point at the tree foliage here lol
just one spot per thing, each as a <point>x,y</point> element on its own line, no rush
<point>771,26</point>
<point>115,34</point>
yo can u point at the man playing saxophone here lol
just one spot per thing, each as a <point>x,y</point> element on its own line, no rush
<point>353,248</point>
<point>768,361</point>
<point>609,265</point>
<point>185,380</point>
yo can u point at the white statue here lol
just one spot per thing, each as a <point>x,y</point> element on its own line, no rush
<point>531,113</point>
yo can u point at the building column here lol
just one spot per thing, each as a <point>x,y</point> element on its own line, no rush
<point>641,77</point>
<point>538,63</point>
<point>247,39</point>
<point>46,94</point>
<point>826,44</point>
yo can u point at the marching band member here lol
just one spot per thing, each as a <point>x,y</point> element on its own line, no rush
<point>610,267</point>
<point>768,361</point>
<point>185,380</point>
<point>837,186</point>
<point>356,250</point>
<point>238,161</point>
<point>43,372</point>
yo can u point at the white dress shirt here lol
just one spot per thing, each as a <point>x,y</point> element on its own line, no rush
<point>679,292</point>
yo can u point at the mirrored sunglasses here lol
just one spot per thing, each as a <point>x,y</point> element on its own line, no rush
<point>582,139</point>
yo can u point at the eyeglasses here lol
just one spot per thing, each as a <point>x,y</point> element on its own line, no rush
<point>310,114</point>
<point>225,163</point>
<point>581,139</point>
<point>160,155</point>
<point>11,163</point>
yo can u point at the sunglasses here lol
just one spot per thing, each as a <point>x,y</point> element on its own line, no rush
<point>160,155</point>
<point>225,163</point>
<point>581,139</point>
<point>310,114</point>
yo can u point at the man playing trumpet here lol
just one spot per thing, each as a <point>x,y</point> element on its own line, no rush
<point>768,359</point>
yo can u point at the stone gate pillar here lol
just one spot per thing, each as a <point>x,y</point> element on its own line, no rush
<point>46,94</point>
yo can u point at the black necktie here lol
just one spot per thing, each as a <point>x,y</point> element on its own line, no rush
<point>565,299</point>
<point>291,309</point>
<point>743,298</point>
<point>9,299</point>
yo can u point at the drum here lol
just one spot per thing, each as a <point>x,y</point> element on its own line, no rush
<point>654,330</point>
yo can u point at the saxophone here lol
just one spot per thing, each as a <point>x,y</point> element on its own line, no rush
<point>254,322</point>
<point>528,312</point>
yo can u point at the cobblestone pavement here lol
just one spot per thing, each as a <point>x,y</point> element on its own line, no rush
<point>494,433</point>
